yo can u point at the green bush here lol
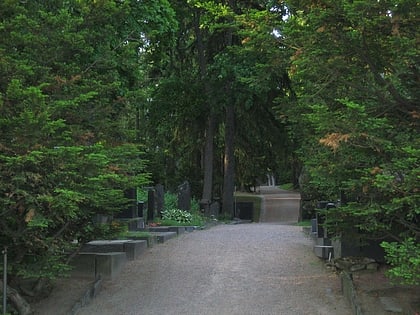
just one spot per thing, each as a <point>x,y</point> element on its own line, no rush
<point>171,200</point>
<point>177,215</point>
<point>405,261</point>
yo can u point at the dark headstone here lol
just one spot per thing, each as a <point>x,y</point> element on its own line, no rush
<point>314,226</point>
<point>184,196</point>
<point>150,205</point>
<point>140,209</point>
<point>160,198</point>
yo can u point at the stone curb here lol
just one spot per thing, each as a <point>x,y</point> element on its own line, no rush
<point>90,293</point>
<point>350,293</point>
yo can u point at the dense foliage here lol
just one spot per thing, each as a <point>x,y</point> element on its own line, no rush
<point>356,76</point>
<point>216,92</point>
<point>71,73</point>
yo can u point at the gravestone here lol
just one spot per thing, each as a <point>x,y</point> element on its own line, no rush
<point>160,198</point>
<point>184,196</point>
<point>151,204</point>
<point>140,209</point>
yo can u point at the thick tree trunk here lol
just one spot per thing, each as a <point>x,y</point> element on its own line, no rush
<point>18,302</point>
<point>229,163</point>
<point>229,158</point>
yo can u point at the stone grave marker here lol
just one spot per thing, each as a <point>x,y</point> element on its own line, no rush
<point>184,196</point>
<point>151,204</point>
<point>160,198</point>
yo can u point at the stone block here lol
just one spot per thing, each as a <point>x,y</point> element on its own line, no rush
<point>162,237</point>
<point>84,265</point>
<point>323,251</point>
<point>150,240</point>
<point>177,229</point>
<point>135,248</point>
<point>109,265</point>
<point>190,229</point>
<point>98,265</point>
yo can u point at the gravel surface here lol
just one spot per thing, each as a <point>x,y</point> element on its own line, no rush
<point>227,269</point>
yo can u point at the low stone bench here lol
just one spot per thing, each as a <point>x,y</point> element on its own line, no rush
<point>94,265</point>
<point>132,248</point>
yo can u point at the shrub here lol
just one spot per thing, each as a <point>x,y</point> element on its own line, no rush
<point>178,215</point>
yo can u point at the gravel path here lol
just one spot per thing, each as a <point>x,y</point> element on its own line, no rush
<point>246,269</point>
<point>228,269</point>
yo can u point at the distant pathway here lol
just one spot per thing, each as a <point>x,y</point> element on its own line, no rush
<point>279,206</point>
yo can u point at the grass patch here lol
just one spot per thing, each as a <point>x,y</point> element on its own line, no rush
<point>255,199</point>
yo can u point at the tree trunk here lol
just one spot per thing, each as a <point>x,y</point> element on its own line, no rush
<point>229,159</point>
<point>229,162</point>
<point>208,160</point>
<point>18,302</point>
<point>208,154</point>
